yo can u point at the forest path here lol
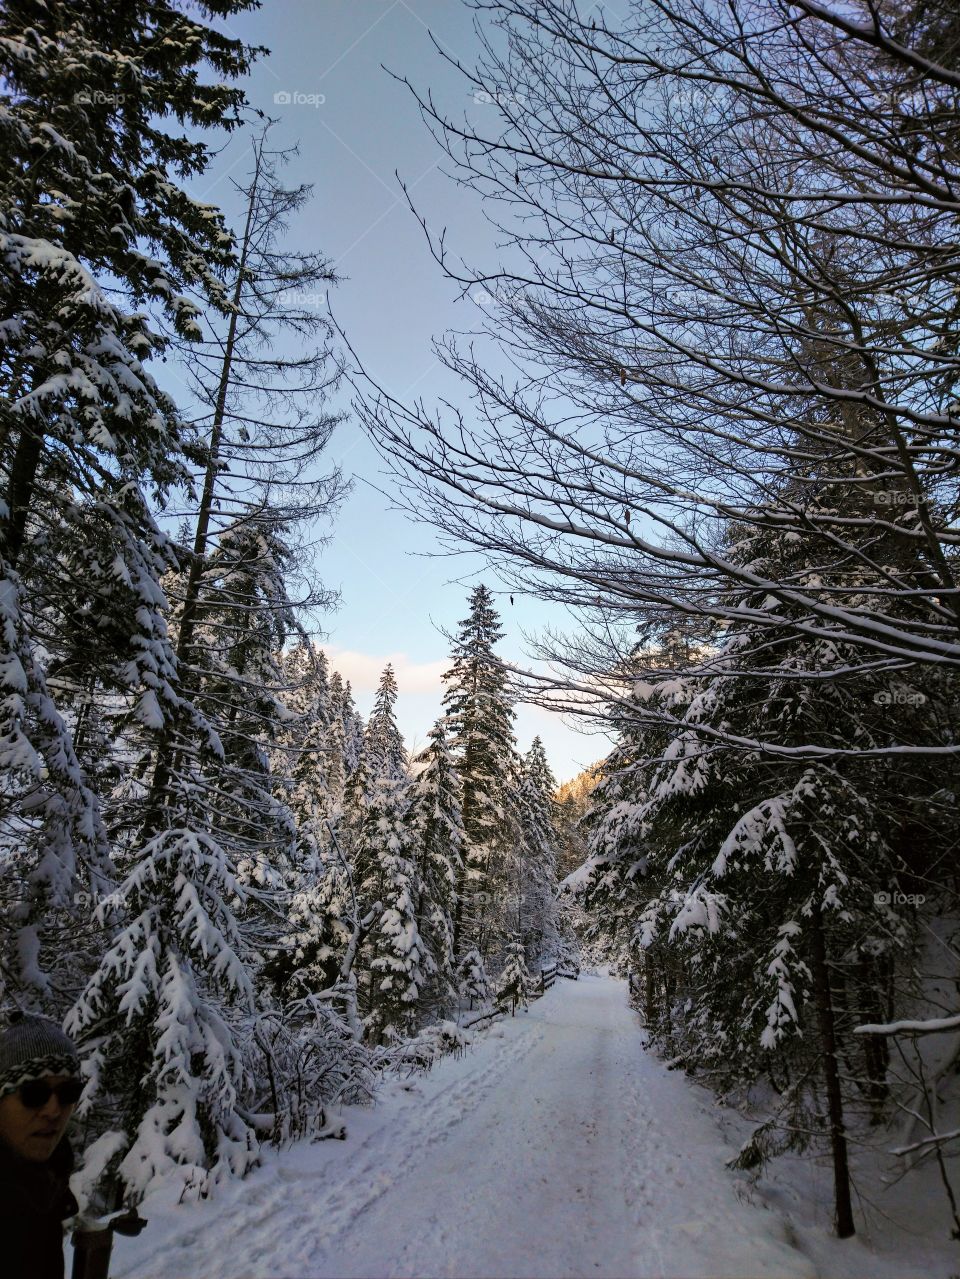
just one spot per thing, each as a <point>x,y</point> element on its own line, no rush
<point>555,1147</point>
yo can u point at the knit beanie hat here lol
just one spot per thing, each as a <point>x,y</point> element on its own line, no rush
<point>32,1047</point>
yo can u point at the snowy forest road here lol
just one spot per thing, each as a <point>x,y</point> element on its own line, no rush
<point>556,1147</point>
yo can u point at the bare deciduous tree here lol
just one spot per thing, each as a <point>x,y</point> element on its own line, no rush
<point>728,294</point>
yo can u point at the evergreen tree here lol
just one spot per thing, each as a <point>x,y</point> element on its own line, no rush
<point>94,224</point>
<point>483,747</point>
<point>378,778</point>
<point>383,743</point>
<point>341,699</point>
<point>435,823</point>
<point>309,768</point>
<point>395,958</point>
<point>537,855</point>
<point>473,983</point>
<point>514,983</point>
<point>163,1005</point>
<point>246,619</point>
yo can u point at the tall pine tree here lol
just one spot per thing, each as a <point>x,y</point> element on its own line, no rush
<point>482,743</point>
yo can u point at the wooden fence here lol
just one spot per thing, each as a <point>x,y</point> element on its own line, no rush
<point>545,979</point>
<point>548,976</point>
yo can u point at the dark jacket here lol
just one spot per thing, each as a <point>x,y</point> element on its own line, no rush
<point>34,1200</point>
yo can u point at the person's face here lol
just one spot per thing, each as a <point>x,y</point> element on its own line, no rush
<point>34,1134</point>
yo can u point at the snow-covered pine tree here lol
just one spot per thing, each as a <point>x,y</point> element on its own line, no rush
<point>342,708</point>
<point>308,769</point>
<point>382,740</point>
<point>382,756</point>
<point>435,823</point>
<point>514,983</point>
<point>396,961</point>
<point>94,223</point>
<point>537,855</point>
<point>319,944</point>
<point>236,673</point>
<point>473,981</point>
<point>389,962</point>
<point>310,1043</point>
<point>482,743</point>
<point>161,1017</point>
<point>167,1010</point>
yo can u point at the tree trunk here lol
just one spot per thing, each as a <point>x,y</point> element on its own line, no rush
<point>23,478</point>
<point>649,997</point>
<point>166,751</point>
<point>831,1074</point>
<point>876,1052</point>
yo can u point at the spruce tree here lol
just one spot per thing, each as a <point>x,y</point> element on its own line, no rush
<point>395,958</point>
<point>95,227</point>
<point>386,753</point>
<point>237,674</point>
<point>514,983</point>
<point>473,982</point>
<point>435,822</point>
<point>341,700</point>
<point>536,873</point>
<point>483,747</point>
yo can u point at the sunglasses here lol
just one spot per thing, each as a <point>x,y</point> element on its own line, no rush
<point>35,1093</point>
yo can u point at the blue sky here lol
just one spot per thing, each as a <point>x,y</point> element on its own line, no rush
<point>355,126</point>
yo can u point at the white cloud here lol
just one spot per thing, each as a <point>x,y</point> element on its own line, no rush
<point>363,670</point>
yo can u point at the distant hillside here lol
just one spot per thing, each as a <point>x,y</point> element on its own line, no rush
<point>573,800</point>
<point>576,792</point>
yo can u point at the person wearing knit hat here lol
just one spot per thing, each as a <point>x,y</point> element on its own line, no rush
<point>39,1088</point>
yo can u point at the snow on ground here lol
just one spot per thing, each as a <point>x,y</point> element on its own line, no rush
<point>555,1147</point>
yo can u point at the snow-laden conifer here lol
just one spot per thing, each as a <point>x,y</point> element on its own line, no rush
<point>536,872</point>
<point>396,960</point>
<point>473,981</point>
<point>514,983</point>
<point>435,822</point>
<point>482,743</point>
<point>95,224</point>
<point>383,742</point>
<point>161,1011</point>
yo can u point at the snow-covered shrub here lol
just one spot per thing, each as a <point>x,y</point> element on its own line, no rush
<point>421,1053</point>
<point>303,1057</point>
